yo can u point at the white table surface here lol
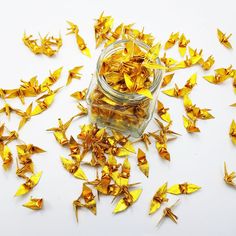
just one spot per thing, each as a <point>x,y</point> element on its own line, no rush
<point>195,158</point>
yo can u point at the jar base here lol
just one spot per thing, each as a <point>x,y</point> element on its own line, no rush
<point>133,132</point>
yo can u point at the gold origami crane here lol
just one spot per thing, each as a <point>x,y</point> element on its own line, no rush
<point>183,43</point>
<point>74,146</point>
<point>163,112</point>
<point>188,62</point>
<point>167,212</point>
<point>123,178</point>
<point>29,184</point>
<point>136,34</point>
<point>190,125</point>
<point>7,109</point>
<point>196,53</point>
<point>114,35</point>
<point>162,138</point>
<point>185,188</point>
<point>44,102</point>
<point>28,149</point>
<point>158,198</point>
<point>162,148</point>
<point>168,61</point>
<point>6,156</point>
<point>229,178</point>
<point>113,168</point>
<point>79,95</point>
<point>83,111</point>
<point>151,57</point>
<point>208,63</point>
<point>32,44</point>
<point>223,39</point>
<point>74,74</point>
<point>129,199</point>
<point>73,167</point>
<point>60,131</point>
<point>3,93</point>
<point>194,112</point>
<point>102,28</point>
<point>6,139</point>
<point>145,138</point>
<point>25,115</point>
<point>232,132</point>
<point>28,167</point>
<point>176,91</point>
<point>134,88</point>
<point>25,151</point>
<point>80,41</point>
<point>142,162</point>
<point>167,79</point>
<point>102,185</point>
<point>89,201</point>
<point>221,74</point>
<point>34,204</point>
<point>174,37</point>
<point>234,80</point>
<point>51,79</point>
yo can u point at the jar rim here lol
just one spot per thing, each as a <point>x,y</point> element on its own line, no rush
<point>115,94</point>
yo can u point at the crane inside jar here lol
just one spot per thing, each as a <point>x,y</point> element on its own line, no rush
<point>130,69</point>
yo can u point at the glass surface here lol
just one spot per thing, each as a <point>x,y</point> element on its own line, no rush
<point>125,112</point>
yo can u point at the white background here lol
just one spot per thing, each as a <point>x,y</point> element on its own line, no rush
<point>195,158</point>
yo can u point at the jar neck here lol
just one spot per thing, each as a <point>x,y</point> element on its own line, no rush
<point>115,94</point>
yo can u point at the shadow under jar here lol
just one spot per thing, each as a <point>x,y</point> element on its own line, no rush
<point>128,113</point>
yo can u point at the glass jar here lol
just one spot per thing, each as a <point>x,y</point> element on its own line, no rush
<point>128,113</point>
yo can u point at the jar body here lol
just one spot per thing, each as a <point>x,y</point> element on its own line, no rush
<point>127,113</point>
<point>129,118</point>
